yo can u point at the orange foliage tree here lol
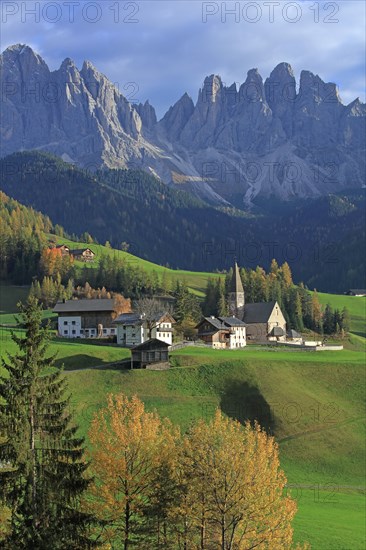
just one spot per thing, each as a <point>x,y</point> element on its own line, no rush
<point>130,447</point>
<point>235,489</point>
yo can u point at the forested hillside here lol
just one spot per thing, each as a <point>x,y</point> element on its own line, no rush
<point>318,238</point>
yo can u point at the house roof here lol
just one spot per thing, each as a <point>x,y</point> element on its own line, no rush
<point>84,305</point>
<point>221,323</point>
<point>153,343</point>
<point>138,319</point>
<point>232,321</point>
<point>79,251</point>
<point>259,312</point>
<point>236,282</point>
<point>129,319</point>
<point>357,290</point>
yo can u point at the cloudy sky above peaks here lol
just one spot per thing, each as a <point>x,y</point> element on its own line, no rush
<point>158,50</point>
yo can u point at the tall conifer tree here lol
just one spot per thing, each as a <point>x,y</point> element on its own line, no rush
<point>42,473</point>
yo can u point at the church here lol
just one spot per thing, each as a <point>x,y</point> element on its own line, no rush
<point>264,321</point>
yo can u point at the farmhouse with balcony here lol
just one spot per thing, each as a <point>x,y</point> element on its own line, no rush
<point>134,329</point>
<point>222,332</point>
<point>82,254</point>
<point>87,318</point>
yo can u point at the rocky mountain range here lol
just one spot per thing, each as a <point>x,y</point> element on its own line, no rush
<point>269,138</point>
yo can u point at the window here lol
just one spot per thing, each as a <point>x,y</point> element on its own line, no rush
<point>73,322</point>
<point>81,331</point>
<point>73,331</point>
<point>65,322</point>
<point>113,331</point>
<point>104,331</point>
<point>66,332</point>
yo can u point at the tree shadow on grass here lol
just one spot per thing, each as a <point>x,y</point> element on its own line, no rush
<point>244,402</point>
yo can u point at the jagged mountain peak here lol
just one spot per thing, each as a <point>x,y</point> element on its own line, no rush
<point>282,69</point>
<point>211,89</point>
<point>21,54</point>
<point>205,146</point>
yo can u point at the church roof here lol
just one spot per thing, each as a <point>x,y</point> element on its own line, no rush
<point>259,312</point>
<point>277,331</point>
<point>236,283</point>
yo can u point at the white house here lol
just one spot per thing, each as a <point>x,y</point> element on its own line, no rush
<point>222,332</point>
<point>134,329</point>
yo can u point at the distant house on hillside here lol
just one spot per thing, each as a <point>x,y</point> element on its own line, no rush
<point>356,292</point>
<point>133,329</point>
<point>222,332</point>
<point>82,254</point>
<point>87,318</point>
<point>265,321</point>
<point>151,354</point>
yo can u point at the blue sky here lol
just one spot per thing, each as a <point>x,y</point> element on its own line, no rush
<point>158,50</point>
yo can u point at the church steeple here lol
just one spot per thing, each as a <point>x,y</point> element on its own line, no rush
<point>236,294</point>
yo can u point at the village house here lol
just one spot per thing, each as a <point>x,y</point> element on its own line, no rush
<point>134,329</point>
<point>265,322</point>
<point>82,254</point>
<point>222,332</point>
<point>356,292</point>
<point>152,354</point>
<point>87,318</point>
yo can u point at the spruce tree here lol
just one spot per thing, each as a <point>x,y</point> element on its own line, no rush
<point>42,467</point>
<point>328,320</point>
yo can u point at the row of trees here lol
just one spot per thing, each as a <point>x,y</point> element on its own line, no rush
<point>143,483</point>
<point>336,322</point>
<point>51,290</point>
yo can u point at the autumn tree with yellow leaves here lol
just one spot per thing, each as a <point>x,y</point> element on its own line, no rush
<point>131,447</point>
<point>219,486</point>
<point>236,487</point>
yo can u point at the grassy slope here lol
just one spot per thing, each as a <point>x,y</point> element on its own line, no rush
<point>315,403</point>
<point>196,281</point>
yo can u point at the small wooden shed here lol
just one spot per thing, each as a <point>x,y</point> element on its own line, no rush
<point>152,352</point>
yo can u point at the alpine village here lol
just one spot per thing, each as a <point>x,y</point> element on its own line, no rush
<point>182,356</point>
